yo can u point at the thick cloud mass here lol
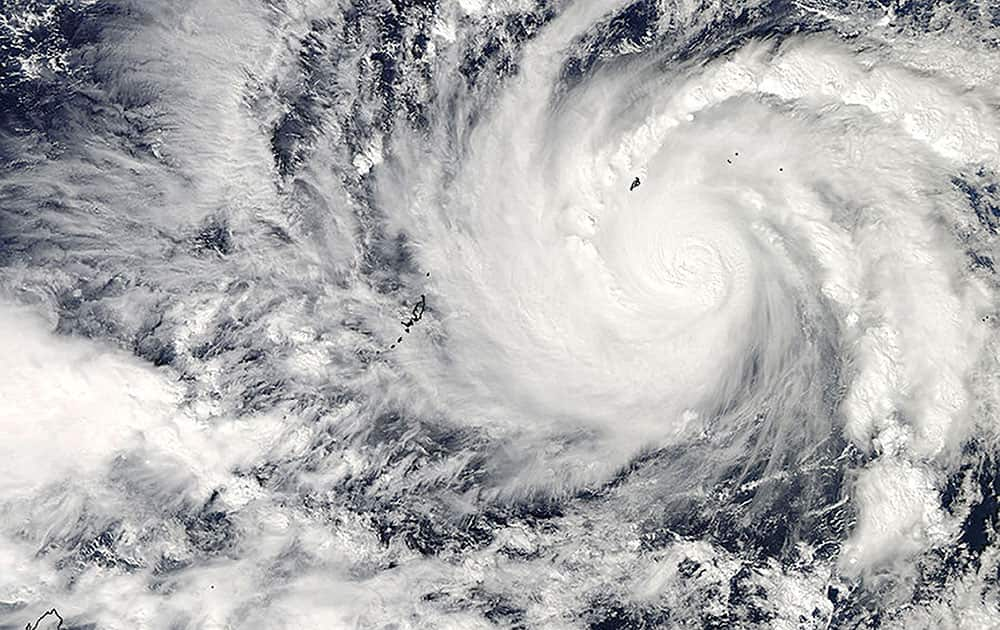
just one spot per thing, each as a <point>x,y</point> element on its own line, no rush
<point>461,314</point>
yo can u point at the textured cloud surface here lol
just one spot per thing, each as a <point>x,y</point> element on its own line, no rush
<point>499,314</point>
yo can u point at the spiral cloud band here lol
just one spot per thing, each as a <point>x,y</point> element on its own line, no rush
<point>462,314</point>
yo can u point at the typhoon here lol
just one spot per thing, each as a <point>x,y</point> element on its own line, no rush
<point>499,314</point>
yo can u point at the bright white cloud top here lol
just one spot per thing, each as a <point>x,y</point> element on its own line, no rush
<point>499,314</point>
